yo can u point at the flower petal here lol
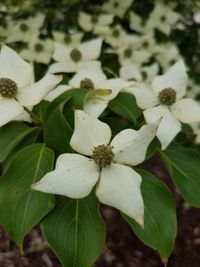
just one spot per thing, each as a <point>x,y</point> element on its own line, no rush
<point>119,187</point>
<point>145,97</point>
<point>169,126</point>
<point>63,67</point>
<point>130,146</point>
<point>186,110</point>
<point>9,109</point>
<point>91,50</point>
<point>74,177</point>
<point>89,132</point>
<point>33,95</point>
<point>56,92</point>
<point>175,78</point>
<point>12,66</point>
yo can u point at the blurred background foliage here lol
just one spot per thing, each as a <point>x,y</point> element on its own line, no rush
<point>62,15</point>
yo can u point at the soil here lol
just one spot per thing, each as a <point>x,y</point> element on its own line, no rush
<point>122,247</point>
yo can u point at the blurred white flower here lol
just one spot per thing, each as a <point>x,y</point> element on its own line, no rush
<point>162,18</point>
<point>70,58</point>
<point>22,30</point>
<point>117,7</point>
<point>136,23</point>
<point>103,164</point>
<point>17,87</point>
<point>89,22</point>
<point>69,39</point>
<point>38,50</point>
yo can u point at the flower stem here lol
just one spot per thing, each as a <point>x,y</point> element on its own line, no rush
<point>34,117</point>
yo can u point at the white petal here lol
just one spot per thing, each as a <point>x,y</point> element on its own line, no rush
<point>119,187</point>
<point>186,110</point>
<point>145,97</point>
<point>95,105</point>
<point>169,126</point>
<point>175,78</point>
<point>130,72</point>
<point>61,52</point>
<point>91,50</point>
<point>116,85</point>
<point>74,177</point>
<point>130,146</point>
<point>89,132</point>
<point>9,109</point>
<point>56,92</point>
<point>96,76</point>
<point>63,67</point>
<point>94,64</point>
<point>33,95</point>
<point>12,66</point>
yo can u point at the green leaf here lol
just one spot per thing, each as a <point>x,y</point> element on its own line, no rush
<point>57,133</point>
<point>20,206</point>
<point>125,105</point>
<point>11,135</point>
<point>41,109</point>
<point>160,224</point>
<point>75,231</point>
<point>183,166</point>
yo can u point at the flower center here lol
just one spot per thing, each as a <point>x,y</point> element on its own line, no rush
<point>127,52</point>
<point>39,47</point>
<point>8,88</point>
<point>103,155</point>
<point>144,74</point>
<point>75,55</point>
<point>67,39</point>
<point>94,19</point>
<point>163,18</point>
<point>116,4</point>
<point>172,62</point>
<point>145,44</point>
<point>115,33</point>
<point>167,96</point>
<point>87,84</point>
<point>23,27</point>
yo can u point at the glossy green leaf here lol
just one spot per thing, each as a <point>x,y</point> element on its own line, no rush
<point>20,206</point>
<point>125,105</point>
<point>57,133</point>
<point>11,135</point>
<point>75,231</point>
<point>41,109</point>
<point>160,224</point>
<point>183,165</point>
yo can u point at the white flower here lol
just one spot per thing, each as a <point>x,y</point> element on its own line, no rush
<point>117,7</point>
<point>22,30</point>
<point>165,100</point>
<point>140,74</point>
<point>107,89</point>
<point>103,164</point>
<point>70,58</point>
<point>167,55</point>
<point>38,50</point>
<point>69,39</point>
<point>90,22</point>
<point>136,23</point>
<point>17,87</point>
<point>162,18</point>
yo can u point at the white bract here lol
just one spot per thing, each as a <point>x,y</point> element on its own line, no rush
<point>90,22</point>
<point>165,100</point>
<point>17,87</point>
<point>38,50</point>
<point>162,18</point>
<point>22,30</point>
<point>103,164</point>
<point>117,7</point>
<point>71,57</point>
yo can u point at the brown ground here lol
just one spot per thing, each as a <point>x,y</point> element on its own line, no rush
<point>122,248</point>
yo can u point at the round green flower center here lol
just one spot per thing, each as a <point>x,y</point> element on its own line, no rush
<point>23,27</point>
<point>115,33</point>
<point>67,39</point>
<point>163,18</point>
<point>75,55</point>
<point>128,52</point>
<point>94,19</point>
<point>116,4</point>
<point>39,47</point>
<point>167,96</point>
<point>8,88</point>
<point>103,155</point>
<point>87,84</point>
<point>145,44</point>
<point>172,62</point>
<point>144,74</point>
